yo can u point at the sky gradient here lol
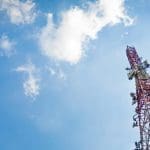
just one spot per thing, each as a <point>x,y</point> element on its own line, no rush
<point>63,82</point>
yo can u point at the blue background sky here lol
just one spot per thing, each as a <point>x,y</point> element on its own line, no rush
<point>89,108</point>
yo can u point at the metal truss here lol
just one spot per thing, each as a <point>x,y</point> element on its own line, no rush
<point>141,98</point>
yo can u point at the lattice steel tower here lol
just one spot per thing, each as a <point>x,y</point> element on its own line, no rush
<point>141,98</point>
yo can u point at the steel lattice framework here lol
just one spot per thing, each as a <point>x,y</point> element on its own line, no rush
<point>141,98</point>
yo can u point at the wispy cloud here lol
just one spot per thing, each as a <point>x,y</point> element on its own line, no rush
<point>19,12</point>
<point>31,84</point>
<point>6,46</point>
<point>67,41</point>
<point>57,72</point>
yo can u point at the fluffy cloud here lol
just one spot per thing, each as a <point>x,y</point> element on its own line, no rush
<point>6,46</point>
<point>67,41</point>
<point>19,12</point>
<point>31,84</point>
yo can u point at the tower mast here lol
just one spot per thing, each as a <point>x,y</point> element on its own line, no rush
<point>141,98</point>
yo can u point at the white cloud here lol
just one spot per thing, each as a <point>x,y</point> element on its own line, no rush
<point>31,84</point>
<point>61,74</point>
<point>18,11</point>
<point>58,72</point>
<point>6,46</point>
<point>67,41</point>
<point>51,71</point>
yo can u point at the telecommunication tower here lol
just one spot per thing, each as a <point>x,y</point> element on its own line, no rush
<point>141,98</point>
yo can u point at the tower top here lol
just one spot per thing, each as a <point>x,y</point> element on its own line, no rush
<point>141,98</point>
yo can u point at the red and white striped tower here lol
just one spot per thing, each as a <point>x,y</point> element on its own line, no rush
<point>141,98</point>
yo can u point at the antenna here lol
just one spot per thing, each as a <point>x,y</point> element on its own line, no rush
<point>141,98</point>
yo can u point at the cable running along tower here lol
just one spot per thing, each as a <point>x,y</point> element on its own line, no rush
<point>141,98</point>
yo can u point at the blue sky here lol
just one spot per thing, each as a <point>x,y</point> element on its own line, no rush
<point>62,78</point>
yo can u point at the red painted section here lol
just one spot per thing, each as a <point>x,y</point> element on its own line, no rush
<point>133,57</point>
